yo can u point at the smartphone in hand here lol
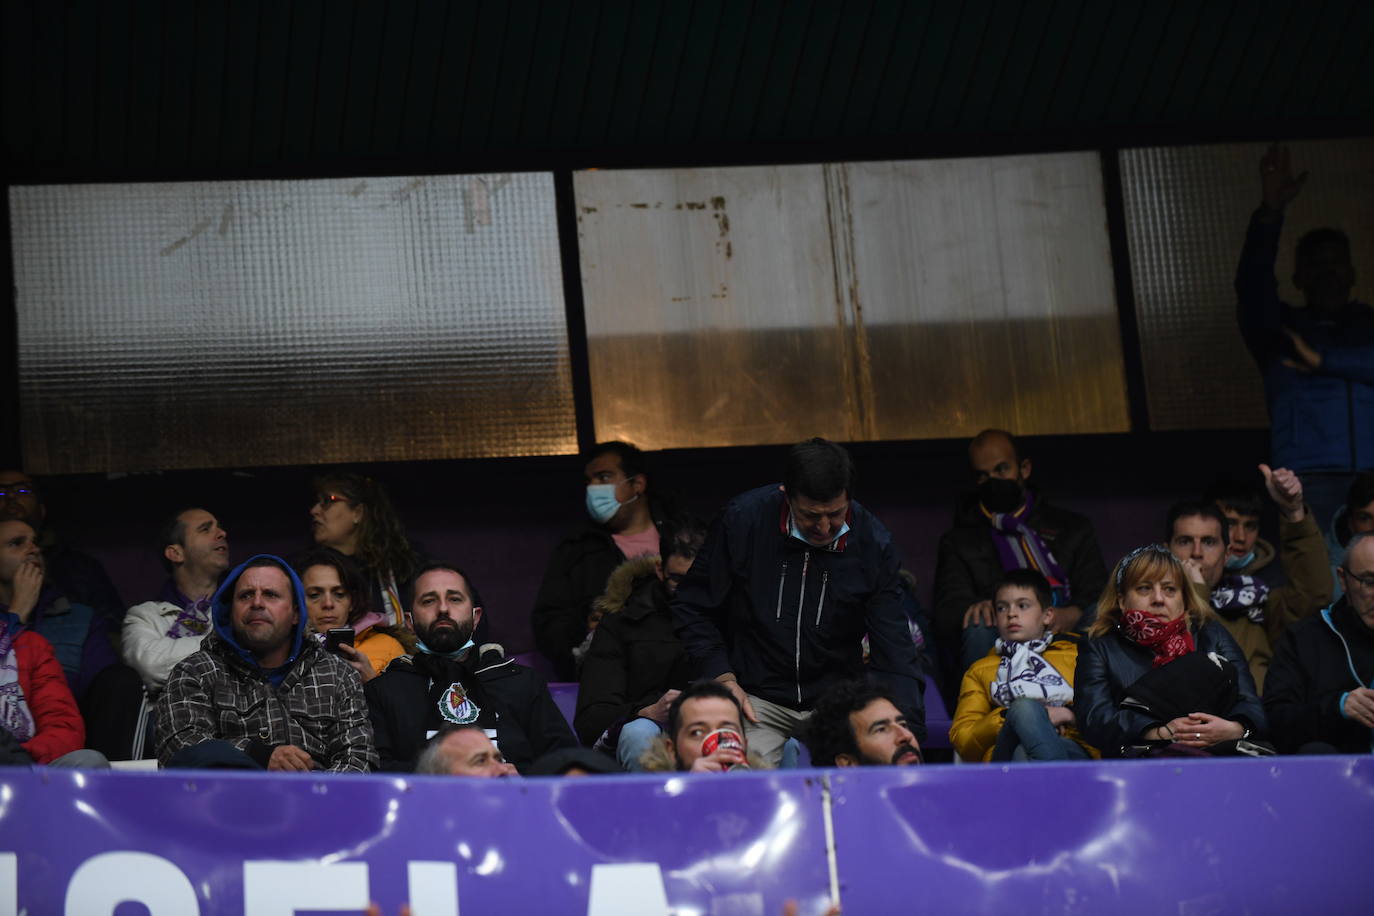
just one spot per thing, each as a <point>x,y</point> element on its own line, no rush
<point>337,636</point>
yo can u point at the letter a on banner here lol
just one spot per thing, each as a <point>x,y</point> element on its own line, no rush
<point>105,881</point>
<point>282,888</point>
<point>632,889</point>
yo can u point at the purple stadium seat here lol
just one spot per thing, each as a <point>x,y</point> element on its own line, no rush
<point>565,695</point>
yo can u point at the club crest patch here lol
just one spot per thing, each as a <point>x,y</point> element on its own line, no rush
<point>455,707</point>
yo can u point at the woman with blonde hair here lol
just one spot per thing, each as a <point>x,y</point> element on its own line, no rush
<point>1159,674</point>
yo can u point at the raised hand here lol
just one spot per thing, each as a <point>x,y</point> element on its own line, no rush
<point>1285,488</point>
<point>1276,178</point>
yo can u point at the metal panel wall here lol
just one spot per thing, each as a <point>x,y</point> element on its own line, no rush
<point>260,323</point>
<point>858,301</point>
<point>1186,213</point>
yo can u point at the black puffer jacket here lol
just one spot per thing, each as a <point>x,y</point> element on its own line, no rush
<point>1109,664</point>
<point>969,568</point>
<point>1310,675</point>
<point>635,656</point>
<point>403,703</point>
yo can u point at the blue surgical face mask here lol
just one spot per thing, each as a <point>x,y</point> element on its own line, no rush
<point>796,532</point>
<point>601,502</point>
<point>1234,562</point>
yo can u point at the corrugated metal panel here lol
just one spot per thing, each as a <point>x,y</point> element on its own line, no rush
<point>1186,213</point>
<point>259,323</point>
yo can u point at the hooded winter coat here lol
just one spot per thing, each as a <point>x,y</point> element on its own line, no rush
<point>314,701</point>
<point>635,657</point>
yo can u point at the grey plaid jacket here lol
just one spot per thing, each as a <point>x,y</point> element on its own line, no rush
<point>319,707</point>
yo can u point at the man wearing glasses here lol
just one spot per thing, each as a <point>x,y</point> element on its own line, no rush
<point>1318,697</point>
<point>789,581</point>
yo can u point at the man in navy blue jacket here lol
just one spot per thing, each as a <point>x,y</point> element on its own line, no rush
<point>790,580</point>
<point>1317,361</point>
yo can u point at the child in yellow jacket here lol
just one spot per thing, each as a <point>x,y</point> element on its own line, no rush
<point>1016,702</point>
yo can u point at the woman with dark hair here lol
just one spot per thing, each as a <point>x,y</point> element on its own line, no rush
<point>1158,673</point>
<point>336,596</point>
<point>353,515</point>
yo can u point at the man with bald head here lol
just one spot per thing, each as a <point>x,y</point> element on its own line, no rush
<point>1006,524</point>
<point>1319,695</point>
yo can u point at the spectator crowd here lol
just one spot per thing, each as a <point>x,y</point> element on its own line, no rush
<point>783,631</point>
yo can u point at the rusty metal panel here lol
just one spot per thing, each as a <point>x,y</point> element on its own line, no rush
<point>711,310</point>
<point>1186,213</point>
<point>259,323</point>
<point>895,300</point>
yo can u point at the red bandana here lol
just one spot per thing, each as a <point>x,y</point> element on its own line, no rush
<point>1167,639</point>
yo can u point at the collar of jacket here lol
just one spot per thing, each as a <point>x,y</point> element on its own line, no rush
<point>216,645</point>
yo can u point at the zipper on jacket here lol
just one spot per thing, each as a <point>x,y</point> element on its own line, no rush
<point>825,578</point>
<point>782,579</point>
<point>801,597</point>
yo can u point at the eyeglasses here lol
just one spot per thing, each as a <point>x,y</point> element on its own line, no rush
<point>16,492</point>
<point>1366,581</point>
<point>325,500</point>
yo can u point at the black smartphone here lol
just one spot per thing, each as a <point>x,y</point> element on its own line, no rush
<point>337,636</point>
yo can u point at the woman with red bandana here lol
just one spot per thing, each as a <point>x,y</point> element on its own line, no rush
<point>1159,674</point>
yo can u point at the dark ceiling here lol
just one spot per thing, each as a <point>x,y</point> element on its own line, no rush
<point>123,89</point>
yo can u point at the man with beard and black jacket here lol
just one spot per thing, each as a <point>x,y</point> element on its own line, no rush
<point>451,681</point>
<point>789,581</point>
<point>625,524</point>
<point>1009,525</point>
<point>1318,695</point>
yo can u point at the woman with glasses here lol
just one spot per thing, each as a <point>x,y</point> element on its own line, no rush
<point>353,515</point>
<point>1158,674</point>
<point>335,597</point>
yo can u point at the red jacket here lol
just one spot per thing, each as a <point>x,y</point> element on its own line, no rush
<point>58,728</point>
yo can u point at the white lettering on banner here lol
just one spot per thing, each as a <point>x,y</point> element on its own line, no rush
<point>631,889</point>
<point>433,888</point>
<point>9,878</point>
<point>282,888</point>
<point>105,881</point>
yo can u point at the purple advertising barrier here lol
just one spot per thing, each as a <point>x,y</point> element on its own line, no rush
<point>187,842</point>
<point>1281,835</point>
<point>1197,836</point>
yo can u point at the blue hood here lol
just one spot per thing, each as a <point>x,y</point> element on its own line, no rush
<point>222,602</point>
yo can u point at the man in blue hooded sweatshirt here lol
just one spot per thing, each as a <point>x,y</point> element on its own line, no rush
<point>260,695</point>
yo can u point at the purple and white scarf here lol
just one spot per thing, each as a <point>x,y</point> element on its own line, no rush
<point>194,617</point>
<point>1019,546</point>
<point>1023,672</point>
<point>15,716</point>
<point>1240,596</point>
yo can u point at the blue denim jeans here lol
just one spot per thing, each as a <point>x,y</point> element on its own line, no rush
<point>635,738</point>
<point>974,642</point>
<point>1028,735</point>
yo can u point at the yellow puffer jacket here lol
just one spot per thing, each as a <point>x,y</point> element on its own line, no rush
<point>977,722</point>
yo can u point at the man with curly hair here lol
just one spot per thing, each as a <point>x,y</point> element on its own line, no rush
<point>856,723</point>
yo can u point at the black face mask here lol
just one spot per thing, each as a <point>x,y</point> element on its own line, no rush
<point>1000,496</point>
